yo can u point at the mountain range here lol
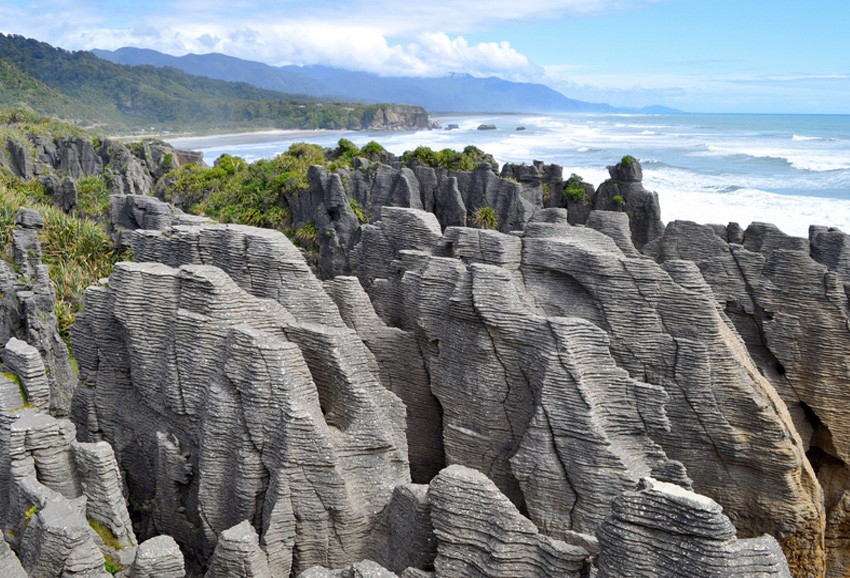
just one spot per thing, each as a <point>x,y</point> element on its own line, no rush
<point>453,93</point>
<point>93,91</point>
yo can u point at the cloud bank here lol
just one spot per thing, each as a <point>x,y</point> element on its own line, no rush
<point>380,36</point>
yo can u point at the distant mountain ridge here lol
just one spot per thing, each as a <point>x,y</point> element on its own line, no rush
<point>454,93</point>
<point>88,90</point>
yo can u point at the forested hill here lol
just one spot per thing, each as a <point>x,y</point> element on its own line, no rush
<point>89,90</point>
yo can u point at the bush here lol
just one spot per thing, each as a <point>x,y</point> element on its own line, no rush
<point>485,218</point>
<point>618,200</point>
<point>574,189</point>
<point>628,160</point>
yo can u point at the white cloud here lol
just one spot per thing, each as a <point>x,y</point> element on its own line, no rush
<point>380,36</point>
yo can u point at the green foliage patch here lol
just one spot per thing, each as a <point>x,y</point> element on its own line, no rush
<point>485,218</point>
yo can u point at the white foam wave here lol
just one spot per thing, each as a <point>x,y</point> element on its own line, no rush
<point>815,160</point>
<point>801,137</point>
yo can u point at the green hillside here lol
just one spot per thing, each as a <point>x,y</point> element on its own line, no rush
<point>81,87</point>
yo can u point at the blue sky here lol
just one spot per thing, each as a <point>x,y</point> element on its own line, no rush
<point>698,55</point>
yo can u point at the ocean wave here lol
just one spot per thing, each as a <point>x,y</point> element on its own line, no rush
<point>817,161</point>
<point>792,214</point>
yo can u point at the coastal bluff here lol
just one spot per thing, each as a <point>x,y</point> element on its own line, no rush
<point>561,385</point>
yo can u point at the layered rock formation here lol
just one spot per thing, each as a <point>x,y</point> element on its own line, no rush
<point>60,162</point>
<point>563,403</point>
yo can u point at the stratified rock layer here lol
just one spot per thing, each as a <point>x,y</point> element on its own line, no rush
<point>536,397</point>
<point>664,531</point>
<point>223,407</point>
<point>480,533</point>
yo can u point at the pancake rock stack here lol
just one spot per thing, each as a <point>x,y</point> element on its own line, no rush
<point>572,396</point>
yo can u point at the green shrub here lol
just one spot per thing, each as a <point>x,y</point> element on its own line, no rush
<point>358,211</point>
<point>111,565</point>
<point>307,234</point>
<point>29,514</point>
<point>628,160</point>
<point>372,149</point>
<point>618,200</point>
<point>485,218</point>
<point>574,189</point>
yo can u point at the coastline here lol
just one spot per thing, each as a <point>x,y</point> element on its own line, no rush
<point>204,141</point>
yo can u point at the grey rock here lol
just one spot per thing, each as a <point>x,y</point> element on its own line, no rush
<point>652,530</point>
<point>24,361</point>
<point>616,226</point>
<point>792,313</point>
<point>158,557</point>
<point>57,541</point>
<point>10,566</point>
<point>29,219</point>
<point>831,247</point>
<point>641,205</point>
<point>20,159</point>
<point>254,415</point>
<point>480,533</point>
<point>363,569</point>
<point>238,555</point>
<point>404,537</point>
<point>490,336</point>
<point>28,311</point>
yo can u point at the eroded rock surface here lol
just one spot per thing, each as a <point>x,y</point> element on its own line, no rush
<point>652,530</point>
<point>224,407</point>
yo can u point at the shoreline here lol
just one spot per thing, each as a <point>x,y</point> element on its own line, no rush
<point>204,141</point>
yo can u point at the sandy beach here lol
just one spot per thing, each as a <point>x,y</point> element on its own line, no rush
<point>254,137</point>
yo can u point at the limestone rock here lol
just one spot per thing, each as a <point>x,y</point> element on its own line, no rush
<point>58,542</point>
<point>404,537</point>
<point>363,569</point>
<point>24,361</point>
<point>792,313</point>
<point>246,412</point>
<point>511,349</point>
<point>10,566</point>
<point>158,557</point>
<point>238,555</point>
<point>641,205</point>
<point>28,311</point>
<point>653,530</point>
<point>480,533</point>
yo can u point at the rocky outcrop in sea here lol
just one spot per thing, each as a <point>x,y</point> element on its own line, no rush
<point>579,391</point>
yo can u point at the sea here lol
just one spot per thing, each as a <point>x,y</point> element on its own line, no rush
<point>790,170</point>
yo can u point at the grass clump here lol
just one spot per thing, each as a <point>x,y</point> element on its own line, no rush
<point>619,200</point>
<point>105,533</point>
<point>628,160</point>
<point>358,210</point>
<point>92,197</point>
<point>77,250</point>
<point>111,565</point>
<point>485,218</point>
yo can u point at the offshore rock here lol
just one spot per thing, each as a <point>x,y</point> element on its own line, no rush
<point>246,411</point>
<point>480,533</point>
<point>652,530</point>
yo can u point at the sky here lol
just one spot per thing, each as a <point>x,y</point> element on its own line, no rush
<point>749,56</point>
